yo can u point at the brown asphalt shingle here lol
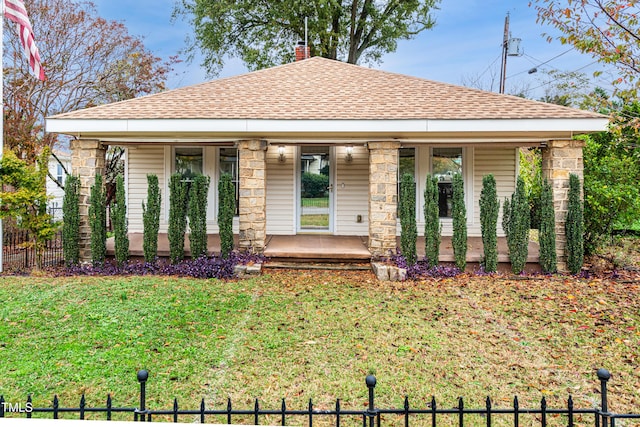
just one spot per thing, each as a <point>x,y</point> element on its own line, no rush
<point>323,89</point>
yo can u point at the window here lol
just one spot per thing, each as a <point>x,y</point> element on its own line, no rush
<point>188,162</point>
<point>229,164</point>
<point>60,174</point>
<point>446,162</point>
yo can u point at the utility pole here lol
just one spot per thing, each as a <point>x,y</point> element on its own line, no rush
<point>505,44</point>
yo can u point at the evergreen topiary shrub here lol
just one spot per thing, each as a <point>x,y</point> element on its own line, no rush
<point>516,223</point>
<point>432,226</point>
<point>548,257</point>
<point>178,193</point>
<point>226,210</point>
<point>98,222</point>
<point>489,207</point>
<point>198,194</point>
<point>71,221</point>
<point>574,227</point>
<point>459,214</point>
<point>151,219</point>
<point>409,227</point>
<point>119,220</point>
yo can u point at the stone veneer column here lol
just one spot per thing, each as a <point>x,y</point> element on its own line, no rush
<point>559,159</point>
<point>87,160</point>
<point>253,195</point>
<point>383,197</point>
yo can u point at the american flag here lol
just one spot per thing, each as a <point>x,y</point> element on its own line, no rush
<point>15,11</point>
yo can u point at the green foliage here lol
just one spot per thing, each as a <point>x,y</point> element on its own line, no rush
<point>226,210</point>
<point>178,201</point>
<point>409,233</point>
<point>574,227</point>
<point>516,223</point>
<point>489,207</point>
<point>547,236</point>
<point>262,34</point>
<point>119,221</point>
<point>151,219</point>
<point>98,222</point>
<point>459,213</point>
<point>531,172</point>
<point>611,190</point>
<point>314,185</point>
<point>198,215</point>
<point>71,221</point>
<point>24,197</point>
<point>432,226</point>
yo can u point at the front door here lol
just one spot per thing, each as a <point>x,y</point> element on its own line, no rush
<point>315,198</point>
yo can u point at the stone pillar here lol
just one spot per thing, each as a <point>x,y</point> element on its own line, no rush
<point>87,160</point>
<point>559,160</point>
<point>383,197</point>
<point>253,195</point>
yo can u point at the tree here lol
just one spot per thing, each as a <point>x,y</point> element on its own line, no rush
<point>432,226</point>
<point>459,214</point>
<point>516,223</point>
<point>226,209</point>
<point>88,61</point>
<point>409,233</point>
<point>119,220</point>
<point>574,227</point>
<point>71,221</point>
<point>178,203</point>
<point>547,236</point>
<point>25,199</point>
<point>98,222</point>
<point>263,34</point>
<point>489,207</point>
<point>151,219</point>
<point>197,212</point>
<point>608,30</point>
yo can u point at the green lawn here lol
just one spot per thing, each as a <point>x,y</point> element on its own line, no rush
<point>302,335</point>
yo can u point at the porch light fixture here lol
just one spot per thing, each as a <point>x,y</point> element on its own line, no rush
<point>349,157</point>
<point>281,156</point>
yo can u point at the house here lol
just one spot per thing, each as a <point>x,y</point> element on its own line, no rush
<point>358,127</point>
<point>55,181</point>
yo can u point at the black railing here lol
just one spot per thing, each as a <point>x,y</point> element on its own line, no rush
<point>371,416</point>
<point>18,254</point>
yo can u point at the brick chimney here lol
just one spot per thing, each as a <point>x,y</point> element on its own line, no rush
<point>302,51</point>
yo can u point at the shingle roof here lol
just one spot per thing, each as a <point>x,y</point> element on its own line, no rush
<point>323,89</point>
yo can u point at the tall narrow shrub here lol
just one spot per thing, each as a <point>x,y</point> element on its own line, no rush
<point>432,227</point>
<point>197,213</point>
<point>71,221</point>
<point>98,222</point>
<point>119,220</point>
<point>489,207</point>
<point>459,214</point>
<point>178,193</point>
<point>574,227</point>
<point>408,225</point>
<point>226,210</point>
<point>548,258</point>
<point>516,222</point>
<point>151,219</point>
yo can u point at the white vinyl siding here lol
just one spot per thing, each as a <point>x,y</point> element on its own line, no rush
<point>501,162</point>
<point>351,188</point>
<point>281,191</point>
<point>141,161</point>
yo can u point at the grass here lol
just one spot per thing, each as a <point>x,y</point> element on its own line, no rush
<point>314,220</point>
<point>302,335</point>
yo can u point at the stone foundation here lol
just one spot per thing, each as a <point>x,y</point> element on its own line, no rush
<point>559,160</point>
<point>253,196</point>
<point>383,197</point>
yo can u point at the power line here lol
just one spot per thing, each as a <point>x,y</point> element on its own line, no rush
<point>542,63</point>
<point>558,78</point>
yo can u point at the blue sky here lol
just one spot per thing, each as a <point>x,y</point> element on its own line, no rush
<point>465,44</point>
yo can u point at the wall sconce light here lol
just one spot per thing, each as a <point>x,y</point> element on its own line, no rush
<point>349,157</point>
<point>281,156</point>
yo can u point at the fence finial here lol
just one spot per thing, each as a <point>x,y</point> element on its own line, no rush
<point>143,375</point>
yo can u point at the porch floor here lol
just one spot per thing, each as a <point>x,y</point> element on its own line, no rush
<point>324,248</point>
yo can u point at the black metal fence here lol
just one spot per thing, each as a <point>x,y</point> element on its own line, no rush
<point>433,415</point>
<point>18,255</point>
